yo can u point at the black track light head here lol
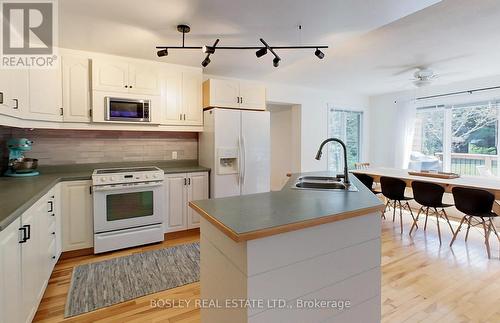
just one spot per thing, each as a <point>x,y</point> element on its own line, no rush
<point>276,61</point>
<point>208,49</point>
<point>261,52</point>
<point>319,54</point>
<point>206,61</point>
<point>162,52</point>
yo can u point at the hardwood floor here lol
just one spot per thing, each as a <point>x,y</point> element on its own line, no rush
<point>421,282</point>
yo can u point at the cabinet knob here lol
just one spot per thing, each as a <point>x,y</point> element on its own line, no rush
<point>126,86</point>
<point>53,257</point>
<point>130,86</point>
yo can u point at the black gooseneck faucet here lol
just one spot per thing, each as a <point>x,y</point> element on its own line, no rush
<point>318,155</point>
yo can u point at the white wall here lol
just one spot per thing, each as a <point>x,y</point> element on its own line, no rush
<point>383,116</point>
<point>314,116</point>
<point>285,143</point>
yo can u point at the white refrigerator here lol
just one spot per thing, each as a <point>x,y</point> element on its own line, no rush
<point>236,146</point>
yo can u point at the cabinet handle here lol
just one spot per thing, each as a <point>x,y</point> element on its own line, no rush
<point>53,233</point>
<point>28,234</point>
<point>184,117</point>
<point>62,111</point>
<point>180,116</point>
<point>189,181</point>
<point>1,97</point>
<point>185,181</point>
<point>16,101</point>
<point>23,235</point>
<point>238,99</point>
<point>53,257</point>
<point>90,190</point>
<point>51,204</point>
<point>241,99</point>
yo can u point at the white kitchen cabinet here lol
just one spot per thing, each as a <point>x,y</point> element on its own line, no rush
<point>176,197</point>
<point>191,98</point>
<point>77,219</point>
<point>234,94</point>
<point>45,95</point>
<point>180,189</point>
<point>14,96</point>
<point>27,259</point>
<point>197,190</point>
<point>10,274</point>
<point>76,88</point>
<point>113,75</point>
<point>181,95</point>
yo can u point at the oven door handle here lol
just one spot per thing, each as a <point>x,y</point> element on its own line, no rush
<point>99,188</point>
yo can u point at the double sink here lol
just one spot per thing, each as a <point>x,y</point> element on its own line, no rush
<point>324,183</point>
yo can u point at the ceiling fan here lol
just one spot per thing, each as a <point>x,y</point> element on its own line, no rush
<point>423,76</point>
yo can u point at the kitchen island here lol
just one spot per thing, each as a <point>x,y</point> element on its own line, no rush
<point>291,256</point>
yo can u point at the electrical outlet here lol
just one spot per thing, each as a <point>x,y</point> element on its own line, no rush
<point>174,155</point>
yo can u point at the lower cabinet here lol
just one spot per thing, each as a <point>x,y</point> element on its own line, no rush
<point>180,189</point>
<point>28,254</point>
<point>77,215</point>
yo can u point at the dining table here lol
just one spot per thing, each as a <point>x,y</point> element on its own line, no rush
<point>491,184</point>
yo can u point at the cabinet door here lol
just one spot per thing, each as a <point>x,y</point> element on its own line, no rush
<point>45,95</point>
<point>253,96</point>
<point>191,98</point>
<point>77,218</point>
<point>143,79</point>
<point>110,75</point>
<point>175,190</point>
<point>224,93</point>
<point>171,97</point>
<point>32,275</point>
<point>197,190</point>
<point>13,92</point>
<point>10,274</point>
<point>76,88</point>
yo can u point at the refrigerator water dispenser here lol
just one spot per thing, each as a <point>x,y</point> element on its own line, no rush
<point>227,161</point>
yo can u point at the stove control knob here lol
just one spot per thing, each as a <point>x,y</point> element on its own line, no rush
<point>103,179</point>
<point>146,176</point>
<point>155,175</point>
<point>113,178</point>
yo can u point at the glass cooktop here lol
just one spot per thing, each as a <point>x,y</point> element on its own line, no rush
<point>126,170</point>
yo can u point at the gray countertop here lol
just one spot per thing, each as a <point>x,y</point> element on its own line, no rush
<point>259,215</point>
<point>17,194</point>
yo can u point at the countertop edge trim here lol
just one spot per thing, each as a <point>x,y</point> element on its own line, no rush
<point>257,234</point>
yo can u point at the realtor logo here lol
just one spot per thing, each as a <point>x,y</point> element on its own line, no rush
<point>29,33</point>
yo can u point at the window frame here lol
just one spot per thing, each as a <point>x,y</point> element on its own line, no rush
<point>360,114</point>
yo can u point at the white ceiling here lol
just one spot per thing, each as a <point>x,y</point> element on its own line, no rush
<point>369,39</point>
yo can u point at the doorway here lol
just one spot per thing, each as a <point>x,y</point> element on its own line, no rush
<point>285,142</point>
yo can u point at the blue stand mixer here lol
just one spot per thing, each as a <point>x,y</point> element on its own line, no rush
<point>20,166</point>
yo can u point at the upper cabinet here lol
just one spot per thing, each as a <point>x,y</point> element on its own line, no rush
<point>114,75</point>
<point>76,88</point>
<point>45,95</point>
<point>181,97</point>
<point>234,94</point>
<point>13,92</point>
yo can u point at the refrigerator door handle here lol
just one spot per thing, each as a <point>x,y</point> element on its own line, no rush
<point>239,160</point>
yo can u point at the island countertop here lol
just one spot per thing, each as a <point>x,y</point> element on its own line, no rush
<point>17,194</point>
<point>255,216</point>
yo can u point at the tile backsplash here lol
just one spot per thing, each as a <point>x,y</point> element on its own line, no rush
<point>57,147</point>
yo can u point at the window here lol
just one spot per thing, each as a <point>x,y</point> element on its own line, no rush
<point>345,125</point>
<point>457,138</point>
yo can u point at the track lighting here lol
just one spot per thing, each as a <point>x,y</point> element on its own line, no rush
<point>319,54</point>
<point>208,49</point>
<point>261,52</point>
<point>206,61</point>
<point>162,52</point>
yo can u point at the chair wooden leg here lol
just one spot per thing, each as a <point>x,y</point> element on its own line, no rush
<point>401,207</point>
<point>416,220</point>
<point>426,216</point>
<point>394,212</point>
<point>448,220</point>
<point>456,232</point>
<point>486,238</point>
<point>469,224</point>
<point>437,222</point>
<point>411,213</point>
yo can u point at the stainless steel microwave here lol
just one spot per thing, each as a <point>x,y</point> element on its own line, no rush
<point>132,110</point>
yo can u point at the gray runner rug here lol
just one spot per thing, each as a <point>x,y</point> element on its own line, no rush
<point>113,281</point>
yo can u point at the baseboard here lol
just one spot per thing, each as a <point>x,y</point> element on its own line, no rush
<point>76,253</point>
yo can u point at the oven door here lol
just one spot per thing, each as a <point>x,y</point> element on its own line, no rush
<point>119,109</point>
<point>127,205</point>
